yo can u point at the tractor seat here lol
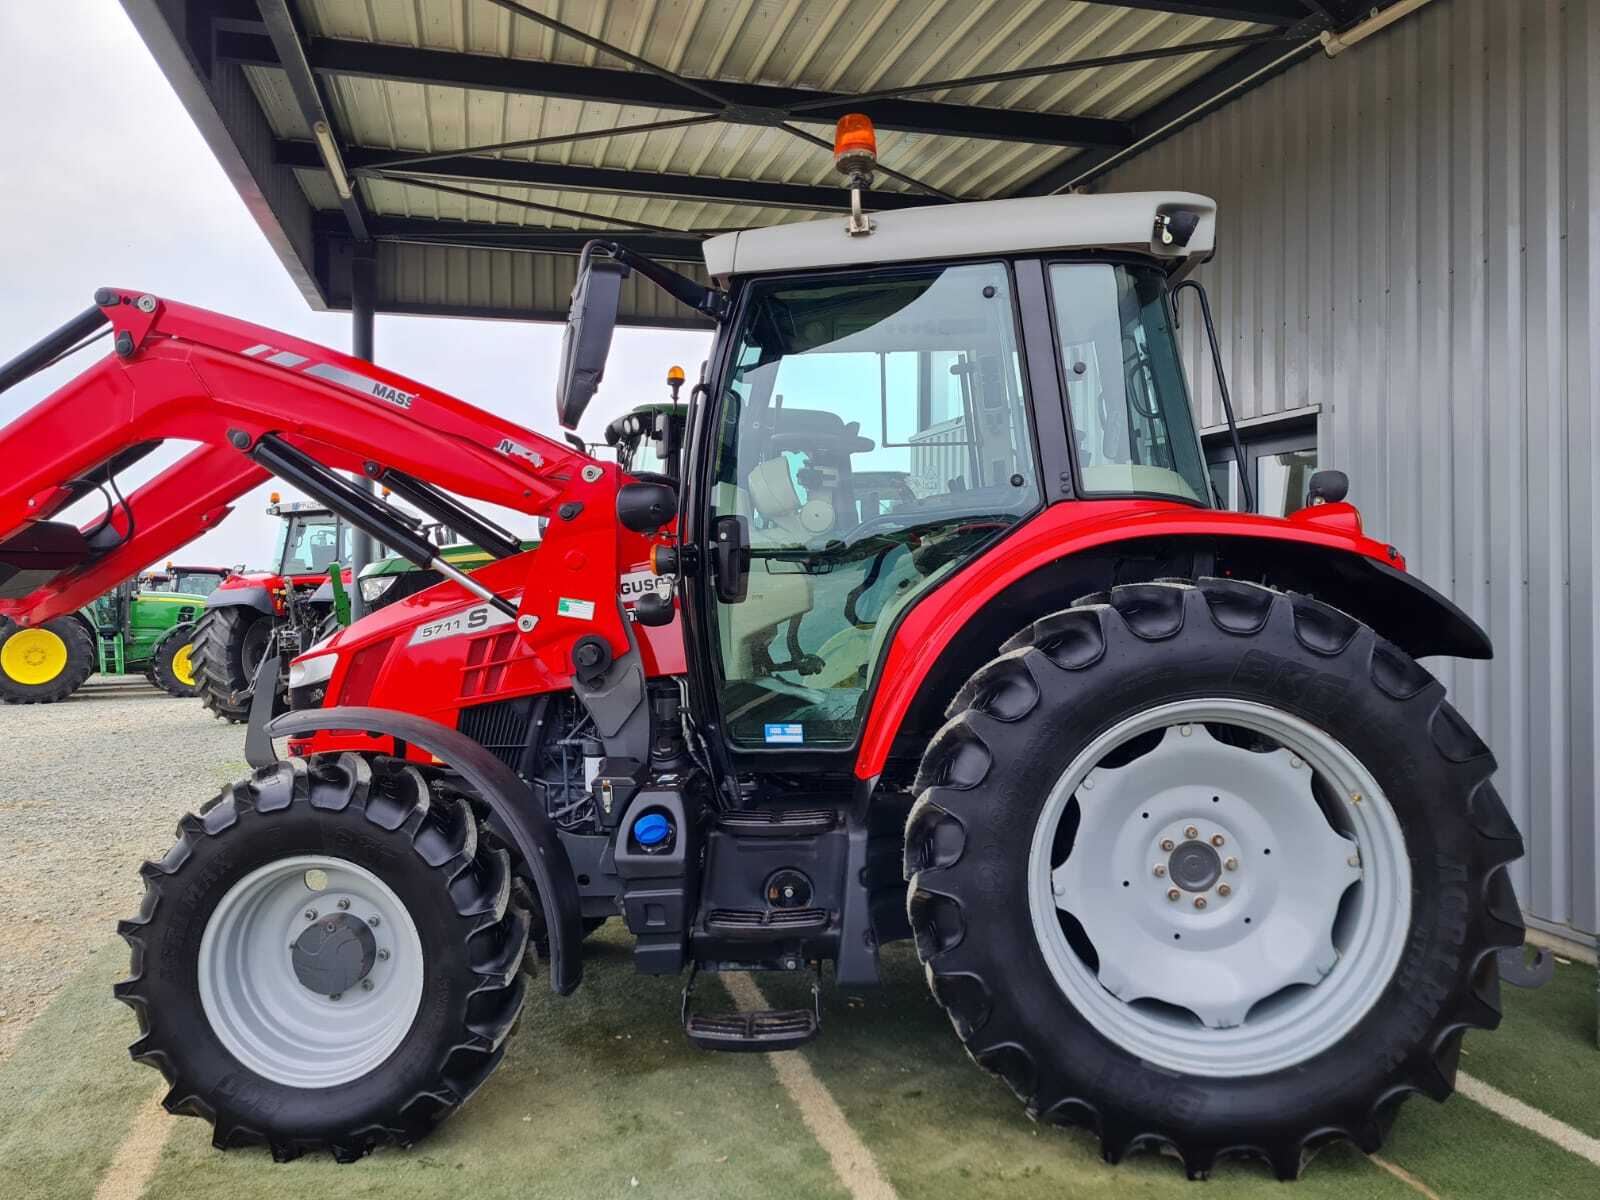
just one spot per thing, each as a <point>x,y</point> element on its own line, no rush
<point>817,429</point>
<point>38,552</point>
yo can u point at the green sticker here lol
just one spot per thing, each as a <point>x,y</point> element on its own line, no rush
<point>578,610</point>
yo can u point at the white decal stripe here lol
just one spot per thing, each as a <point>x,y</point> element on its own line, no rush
<point>284,358</point>
<point>255,350</point>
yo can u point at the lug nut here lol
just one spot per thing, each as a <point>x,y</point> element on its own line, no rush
<point>1216,839</point>
<point>1224,889</point>
<point>1168,843</point>
<point>1199,901</point>
<point>383,955</point>
<point>366,985</point>
<point>1159,870</point>
<point>1173,893</point>
<point>1354,860</point>
<point>1355,797</point>
<point>373,921</point>
<point>337,996</point>
<point>1191,832</point>
<point>344,904</point>
<point>1232,864</point>
<point>311,914</point>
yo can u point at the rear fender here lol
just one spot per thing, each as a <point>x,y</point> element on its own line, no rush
<point>516,814</point>
<point>258,598</point>
<point>1043,567</point>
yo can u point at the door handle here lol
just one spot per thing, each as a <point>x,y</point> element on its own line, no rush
<point>730,557</point>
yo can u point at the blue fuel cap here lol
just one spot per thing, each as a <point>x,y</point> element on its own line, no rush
<point>651,829</point>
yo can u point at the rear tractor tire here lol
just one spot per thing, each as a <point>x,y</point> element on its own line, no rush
<point>172,666</point>
<point>229,644</point>
<point>41,664</point>
<point>1211,868</point>
<point>327,959</point>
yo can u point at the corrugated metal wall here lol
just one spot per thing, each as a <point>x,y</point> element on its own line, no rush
<point>1410,238</point>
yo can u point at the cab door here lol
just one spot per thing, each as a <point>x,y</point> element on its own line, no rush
<point>871,437</point>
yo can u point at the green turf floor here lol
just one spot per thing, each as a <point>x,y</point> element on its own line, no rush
<point>600,1089</point>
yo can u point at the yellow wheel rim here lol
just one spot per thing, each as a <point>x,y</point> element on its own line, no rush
<point>183,665</point>
<point>33,656</point>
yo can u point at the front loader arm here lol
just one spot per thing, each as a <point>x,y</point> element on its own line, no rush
<point>182,373</point>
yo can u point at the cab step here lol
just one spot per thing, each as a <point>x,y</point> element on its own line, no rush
<point>761,1031</point>
<point>766,924</point>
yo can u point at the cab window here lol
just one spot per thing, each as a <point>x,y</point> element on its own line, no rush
<point>874,437</point>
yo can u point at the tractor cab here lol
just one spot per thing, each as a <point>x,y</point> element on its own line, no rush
<point>882,408</point>
<point>310,540</point>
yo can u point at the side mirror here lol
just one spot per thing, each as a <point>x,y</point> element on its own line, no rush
<point>596,298</point>
<point>1327,487</point>
<point>646,507</point>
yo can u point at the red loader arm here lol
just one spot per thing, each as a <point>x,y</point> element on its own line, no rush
<point>187,374</point>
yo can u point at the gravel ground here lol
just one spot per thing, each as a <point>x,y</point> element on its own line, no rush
<point>89,788</point>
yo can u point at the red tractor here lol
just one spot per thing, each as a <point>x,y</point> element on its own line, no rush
<point>1195,852</point>
<point>282,611</point>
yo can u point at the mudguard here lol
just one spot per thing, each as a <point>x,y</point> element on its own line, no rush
<point>518,815</point>
<point>258,598</point>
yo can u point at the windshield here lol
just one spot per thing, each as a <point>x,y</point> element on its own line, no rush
<point>874,435</point>
<point>196,583</point>
<point>1131,424</point>
<point>309,545</point>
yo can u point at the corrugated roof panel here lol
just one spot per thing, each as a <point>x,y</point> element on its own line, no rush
<point>848,45</point>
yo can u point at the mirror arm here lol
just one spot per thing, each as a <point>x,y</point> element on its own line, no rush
<point>708,300</point>
<point>1222,387</point>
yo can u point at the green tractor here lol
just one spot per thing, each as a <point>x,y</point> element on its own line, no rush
<point>143,626</point>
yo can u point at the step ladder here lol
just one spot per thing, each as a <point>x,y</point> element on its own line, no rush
<point>762,1031</point>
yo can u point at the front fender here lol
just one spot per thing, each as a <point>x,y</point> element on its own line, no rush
<point>518,815</point>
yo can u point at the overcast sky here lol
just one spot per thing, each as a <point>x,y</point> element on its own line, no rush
<point>107,182</point>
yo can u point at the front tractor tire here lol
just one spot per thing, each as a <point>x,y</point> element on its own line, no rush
<point>172,665</point>
<point>328,958</point>
<point>1211,868</point>
<point>42,664</point>
<point>229,644</point>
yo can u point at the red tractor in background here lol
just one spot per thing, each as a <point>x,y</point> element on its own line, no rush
<point>282,611</point>
<point>1194,851</point>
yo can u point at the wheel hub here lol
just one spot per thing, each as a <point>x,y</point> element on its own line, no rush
<point>1194,867</point>
<point>334,954</point>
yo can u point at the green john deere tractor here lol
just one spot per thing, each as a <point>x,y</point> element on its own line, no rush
<point>143,626</point>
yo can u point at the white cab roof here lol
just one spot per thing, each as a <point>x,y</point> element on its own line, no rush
<point>1110,221</point>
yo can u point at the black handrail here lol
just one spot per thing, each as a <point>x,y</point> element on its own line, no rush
<point>1222,389</point>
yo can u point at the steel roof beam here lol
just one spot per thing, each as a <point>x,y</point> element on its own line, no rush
<point>1182,108</point>
<point>285,39</point>
<point>751,104</point>
<point>489,235</point>
<point>604,180</point>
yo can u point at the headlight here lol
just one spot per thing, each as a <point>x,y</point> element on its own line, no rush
<point>304,672</point>
<point>372,588</point>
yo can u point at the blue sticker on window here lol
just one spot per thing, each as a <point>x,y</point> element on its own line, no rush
<point>786,735</point>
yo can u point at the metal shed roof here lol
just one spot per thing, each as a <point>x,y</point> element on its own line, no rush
<point>484,141</point>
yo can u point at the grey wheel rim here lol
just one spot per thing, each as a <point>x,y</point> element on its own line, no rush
<point>311,971</point>
<point>1238,926</point>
